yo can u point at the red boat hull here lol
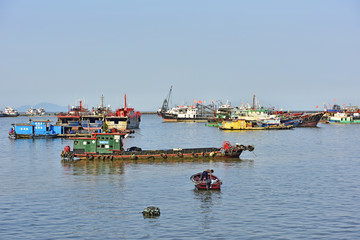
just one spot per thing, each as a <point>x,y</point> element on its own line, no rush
<point>201,185</point>
<point>310,120</point>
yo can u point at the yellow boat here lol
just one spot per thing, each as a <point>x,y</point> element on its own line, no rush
<point>241,124</point>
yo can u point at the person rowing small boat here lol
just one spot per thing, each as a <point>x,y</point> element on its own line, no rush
<point>206,180</point>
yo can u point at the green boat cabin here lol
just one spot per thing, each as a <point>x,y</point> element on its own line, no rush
<point>99,143</point>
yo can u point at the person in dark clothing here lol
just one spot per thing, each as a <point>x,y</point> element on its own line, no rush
<point>206,176</point>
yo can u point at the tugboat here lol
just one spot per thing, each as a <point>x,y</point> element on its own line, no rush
<point>109,146</point>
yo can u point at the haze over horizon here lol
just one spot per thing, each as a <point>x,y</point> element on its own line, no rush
<point>292,54</point>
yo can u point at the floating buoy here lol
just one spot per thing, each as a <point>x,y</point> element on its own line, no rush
<point>151,211</point>
<point>250,148</point>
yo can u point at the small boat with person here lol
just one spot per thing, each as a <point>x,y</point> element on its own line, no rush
<point>201,185</point>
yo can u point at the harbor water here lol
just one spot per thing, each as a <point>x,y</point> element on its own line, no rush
<point>297,184</point>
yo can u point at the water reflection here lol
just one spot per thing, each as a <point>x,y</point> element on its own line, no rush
<point>208,200</point>
<point>93,168</point>
<point>97,167</point>
<point>242,162</point>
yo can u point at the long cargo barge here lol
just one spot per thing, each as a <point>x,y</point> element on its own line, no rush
<point>109,146</point>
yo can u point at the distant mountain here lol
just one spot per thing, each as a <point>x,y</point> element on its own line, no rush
<point>48,107</point>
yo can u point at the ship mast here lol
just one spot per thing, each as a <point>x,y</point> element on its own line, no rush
<point>102,101</point>
<point>253,105</point>
<point>125,104</point>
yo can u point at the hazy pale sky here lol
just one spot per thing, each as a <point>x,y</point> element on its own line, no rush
<point>291,54</point>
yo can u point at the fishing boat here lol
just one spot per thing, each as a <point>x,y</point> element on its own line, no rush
<point>186,113</point>
<point>34,129</point>
<point>10,112</point>
<point>306,119</point>
<point>242,124</point>
<point>109,146</point>
<point>345,118</point>
<point>71,120</point>
<point>191,113</point>
<point>201,185</point>
<point>123,118</point>
<point>223,112</point>
<point>92,122</point>
<point>35,112</point>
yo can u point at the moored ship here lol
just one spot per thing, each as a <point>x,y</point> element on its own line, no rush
<point>34,129</point>
<point>35,112</point>
<point>81,120</point>
<point>306,119</point>
<point>123,118</point>
<point>242,124</point>
<point>186,113</point>
<point>345,118</point>
<point>10,112</point>
<point>193,113</point>
<point>109,146</point>
<point>71,120</point>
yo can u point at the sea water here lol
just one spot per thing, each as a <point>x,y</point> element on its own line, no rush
<point>297,184</point>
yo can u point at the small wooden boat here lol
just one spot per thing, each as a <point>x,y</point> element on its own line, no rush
<point>201,185</point>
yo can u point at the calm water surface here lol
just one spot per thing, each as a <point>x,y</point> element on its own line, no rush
<point>297,184</point>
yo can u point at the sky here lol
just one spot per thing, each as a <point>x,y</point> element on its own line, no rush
<point>293,55</point>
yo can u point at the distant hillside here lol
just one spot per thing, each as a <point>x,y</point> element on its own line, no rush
<point>49,107</point>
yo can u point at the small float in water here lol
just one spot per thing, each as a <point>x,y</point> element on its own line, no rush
<point>201,185</point>
<point>109,146</point>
